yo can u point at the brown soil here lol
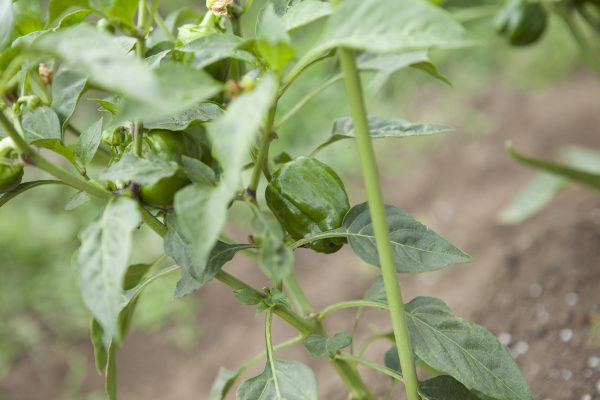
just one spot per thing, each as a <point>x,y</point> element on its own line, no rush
<point>536,285</point>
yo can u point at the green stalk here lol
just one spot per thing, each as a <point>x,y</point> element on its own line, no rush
<point>140,48</point>
<point>378,217</point>
<point>297,294</point>
<point>269,345</point>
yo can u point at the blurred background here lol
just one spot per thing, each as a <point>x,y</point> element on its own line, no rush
<point>535,284</point>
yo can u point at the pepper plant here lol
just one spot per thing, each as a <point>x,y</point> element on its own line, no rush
<point>187,104</point>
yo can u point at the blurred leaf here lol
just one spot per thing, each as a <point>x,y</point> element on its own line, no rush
<point>67,87</point>
<point>574,174</point>
<point>57,7</point>
<point>196,271</point>
<point>272,40</point>
<point>142,171</point>
<point>319,345</point>
<point>416,248</point>
<point>383,26</point>
<point>7,23</point>
<point>101,262</point>
<point>445,387</point>
<point>77,200</point>
<point>295,380</point>
<point>73,18</point>
<point>381,127</point>
<point>463,350</point>
<point>88,142</point>
<point>212,48</point>
<point>23,187</point>
<point>41,123</point>
<point>201,212</point>
<point>150,94</point>
<point>305,12</point>
<point>223,383</point>
<point>28,16</point>
<point>275,257</point>
<point>533,197</point>
<point>198,172</point>
<point>202,112</point>
<point>123,10</point>
<point>582,158</point>
<point>58,147</point>
<point>134,275</point>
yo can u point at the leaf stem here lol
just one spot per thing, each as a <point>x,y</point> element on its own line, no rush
<point>372,365</point>
<point>160,22</point>
<point>269,344</point>
<point>349,304</point>
<point>380,224</point>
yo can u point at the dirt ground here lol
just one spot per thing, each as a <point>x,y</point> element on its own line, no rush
<point>535,285</point>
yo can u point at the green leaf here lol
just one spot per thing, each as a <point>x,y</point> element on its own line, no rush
<point>100,347</point>
<point>386,64</point>
<point>248,296</point>
<point>122,10</point>
<point>296,381</point>
<point>305,12</point>
<point>574,174</point>
<point>377,291</point>
<point>381,127</point>
<point>67,87</point>
<point>142,171</point>
<point>198,172</point>
<point>533,197</point>
<point>150,94</point>
<point>57,7</point>
<point>41,123</point>
<point>23,187</point>
<point>201,212</point>
<point>73,18</point>
<point>582,158</point>
<point>275,257</point>
<point>110,385</point>
<point>202,112</point>
<point>391,359</point>
<point>416,248</point>
<point>58,147</point>
<point>212,48</point>
<point>223,383</point>
<point>272,40</point>
<point>88,142</point>
<point>134,275</point>
<point>463,350</point>
<point>101,262</point>
<point>383,26</point>
<point>319,345</point>
<point>77,200</point>
<point>7,23</point>
<point>28,16</point>
<point>445,387</point>
<point>196,271</point>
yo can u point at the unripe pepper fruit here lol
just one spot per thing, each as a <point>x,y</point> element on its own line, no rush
<point>522,22</point>
<point>308,198</point>
<point>167,146</point>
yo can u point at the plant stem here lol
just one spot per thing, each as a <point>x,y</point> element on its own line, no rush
<point>237,66</point>
<point>307,98</point>
<point>350,304</point>
<point>263,153</point>
<point>160,22</point>
<point>372,365</point>
<point>269,345</point>
<point>378,217</point>
<point>297,294</point>
<point>138,134</point>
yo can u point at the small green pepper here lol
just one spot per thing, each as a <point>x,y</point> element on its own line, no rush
<point>167,146</point>
<point>308,198</point>
<point>10,174</point>
<point>522,22</point>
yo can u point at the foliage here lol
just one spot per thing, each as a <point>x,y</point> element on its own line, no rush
<point>207,82</point>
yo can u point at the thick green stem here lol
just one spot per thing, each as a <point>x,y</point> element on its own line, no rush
<point>263,152</point>
<point>378,217</point>
<point>138,134</point>
<point>297,294</point>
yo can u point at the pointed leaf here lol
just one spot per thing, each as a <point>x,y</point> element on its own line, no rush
<point>77,200</point>
<point>223,383</point>
<point>41,123</point>
<point>272,40</point>
<point>101,262</point>
<point>88,142</point>
<point>305,12</point>
<point>377,291</point>
<point>210,49</point>
<point>67,87</point>
<point>202,112</point>
<point>296,381</point>
<point>416,248</point>
<point>445,387</point>
<point>463,350</point>
<point>319,345</point>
